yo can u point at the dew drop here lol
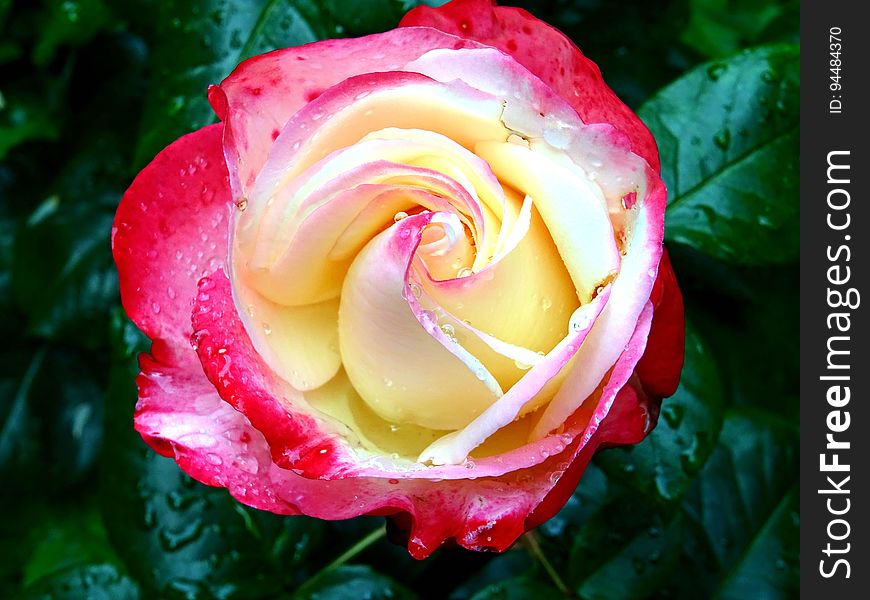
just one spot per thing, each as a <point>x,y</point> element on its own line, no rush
<point>723,138</point>
<point>673,414</point>
<point>715,71</point>
<point>242,203</point>
<point>399,216</point>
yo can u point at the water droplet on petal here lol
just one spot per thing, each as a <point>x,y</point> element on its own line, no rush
<point>449,331</point>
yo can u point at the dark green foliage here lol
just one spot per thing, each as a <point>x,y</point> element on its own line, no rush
<point>706,506</point>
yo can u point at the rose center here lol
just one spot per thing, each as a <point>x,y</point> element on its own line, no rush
<point>446,249</point>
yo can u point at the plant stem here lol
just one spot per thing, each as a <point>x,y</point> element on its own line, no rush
<point>531,542</point>
<point>350,553</point>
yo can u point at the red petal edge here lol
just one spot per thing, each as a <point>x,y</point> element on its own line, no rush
<point>660,366</point>
<point>170,230</point>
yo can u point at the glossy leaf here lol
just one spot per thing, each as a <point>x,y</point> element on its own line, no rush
<point>63,541</point>
<point>728,138</point>
<point>198,43</point>
<point>353,581</point>
<point>626,550</point>
<point>742,512</point>
<point>177,536</point>
<point>518,589</point>
<point>95,582</point>
<point>770,566</point>
<point>69,23</point>
<point>718,28</point>
<point>63,277</point>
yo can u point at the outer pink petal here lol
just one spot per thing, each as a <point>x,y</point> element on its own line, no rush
<point>258,98</point>
<point>546,52</point>
<point>170,230</point>
<point>181,416</point>
<point>243,379</point>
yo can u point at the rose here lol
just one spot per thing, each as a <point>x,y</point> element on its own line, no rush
<point>416,274</point>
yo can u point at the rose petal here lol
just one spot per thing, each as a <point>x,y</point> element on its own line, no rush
<point>659,369</point>
<point>612,331</point>
<point>455,447</point>
<point>180,416</point>
<point>546,52</point>
<point>170,230</point>
<point>263,92</point>
<point>400,362</point>
<point>570,205</point>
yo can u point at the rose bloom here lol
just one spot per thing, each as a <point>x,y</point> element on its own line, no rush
<point>416,274</point>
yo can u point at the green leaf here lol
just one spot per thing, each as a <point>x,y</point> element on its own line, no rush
<point>195,44</point>
<point>24,117</point>
<point>728,139</point>
<point>94,582</point>
<point>353,581</point>
<point>176,536</point>
<point>65,540</point>
<point>63,277</point>
<point>71,22</point>
<point>19,437</point>
<point>741,508</point>
<point>506,566</point>
<point>743,483</point>
<point>666,462</point>
<point>557,535</point>
<point>732,304</point>
<point>770,566</point>
<point>356,18</point>
<point>718,28</point>
<point>626,550</point>
<point>519,588</point>
<point>52,427</point>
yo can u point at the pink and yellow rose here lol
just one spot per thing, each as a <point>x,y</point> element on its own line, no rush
<point>416,274</point>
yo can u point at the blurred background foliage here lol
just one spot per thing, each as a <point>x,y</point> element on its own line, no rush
<point>707,506</point>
